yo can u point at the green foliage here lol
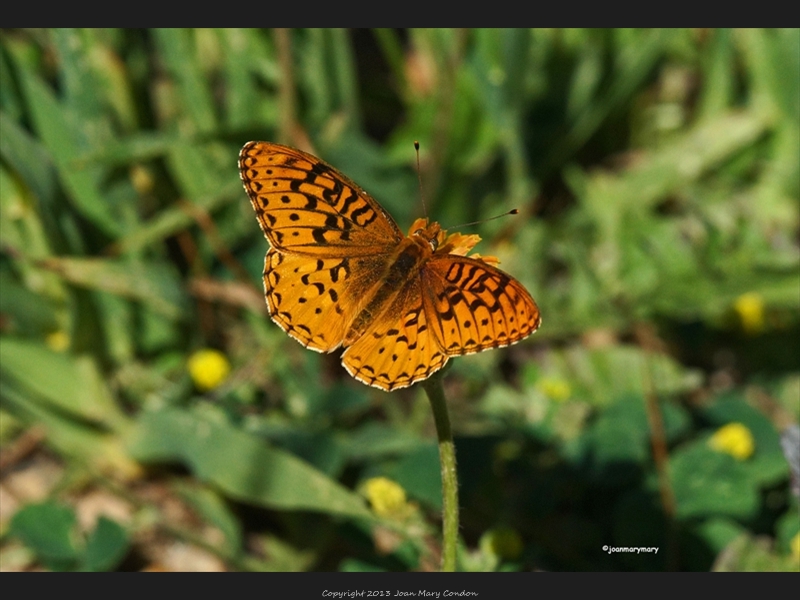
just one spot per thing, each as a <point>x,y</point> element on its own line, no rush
<point>711,483</point>
<point>238,463</point>
<point>49,530</point>
<point>657,173</point>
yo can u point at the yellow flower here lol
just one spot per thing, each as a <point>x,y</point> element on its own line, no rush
<point>208,369</point>
<point>386,497</point>
<point>555,389</point>
<point>57,341</point>
<point>734,439</point>
<point>794,546</point>
<point>142,179</point>
<point>750,308</point>
<point>502,542</point>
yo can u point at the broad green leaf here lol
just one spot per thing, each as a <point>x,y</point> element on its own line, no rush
<point>707,483</point>
<point>63,381</point>
<point>106,546</point>
<point>418,472</point>
<point>374,440</point>
<point>50,531</point>
<point>241,465</point>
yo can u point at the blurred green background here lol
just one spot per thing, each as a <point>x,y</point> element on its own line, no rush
<point>153,417</point>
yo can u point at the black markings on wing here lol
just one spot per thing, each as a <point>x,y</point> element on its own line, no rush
<point>314,299</point>
<point>399,348</point>
<point>304,205</point>
<point>473,306</point>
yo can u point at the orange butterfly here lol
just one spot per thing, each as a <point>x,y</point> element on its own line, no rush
<point>341,273</point>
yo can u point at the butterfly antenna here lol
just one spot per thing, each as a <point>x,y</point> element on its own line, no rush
<point>513,211</point>
<point>419,180</point>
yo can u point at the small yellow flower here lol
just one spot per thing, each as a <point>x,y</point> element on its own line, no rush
<point>503,542</point>
<point>57,341</point>
<point>750,308</point>
<point>734,439</point>
<point>208,369</point>
<point>555,389</point>
<point>794,546</point>
<point>386,497</point>
<point>142,179</point>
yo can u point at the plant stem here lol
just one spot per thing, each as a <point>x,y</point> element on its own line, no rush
<point>447,460</point>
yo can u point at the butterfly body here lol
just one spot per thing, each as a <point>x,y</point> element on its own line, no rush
<point>340,273</point>
<point>403,265</point>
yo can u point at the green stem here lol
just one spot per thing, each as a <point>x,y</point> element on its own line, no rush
<point>447,460</point>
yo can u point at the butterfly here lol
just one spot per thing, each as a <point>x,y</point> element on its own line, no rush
<point>340,273</point>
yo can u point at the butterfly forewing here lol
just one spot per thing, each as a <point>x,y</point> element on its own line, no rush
<point>306,206</point>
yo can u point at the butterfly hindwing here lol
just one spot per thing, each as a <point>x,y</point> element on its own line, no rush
<point>399,347</point>
<point>315,299</point>
<point>474,306</point>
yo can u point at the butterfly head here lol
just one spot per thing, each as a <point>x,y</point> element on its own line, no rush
<point>431,235</point>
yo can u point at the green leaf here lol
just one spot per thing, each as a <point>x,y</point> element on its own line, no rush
<point>604,375</point>
<point>215,511</point>
<point>28,158</point>
<point>718,532</point>
<point>106,547</point>
<point>66,382</point>
<point>709,483</point>
<point>61,135</point>
<point>179,54</point>
<point>320,449</point>
<point>418,472</point>
<point>243,95</point>
<point>240,464</point>
<point>155,284</point>
<point>49,530</point>
<point>374,440</point>
<point>81,93</point>
<point>33,313</point>
<point>609,197</point>
<point>104,451</point>
<point>619,441</point>
<point>768,465</point>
